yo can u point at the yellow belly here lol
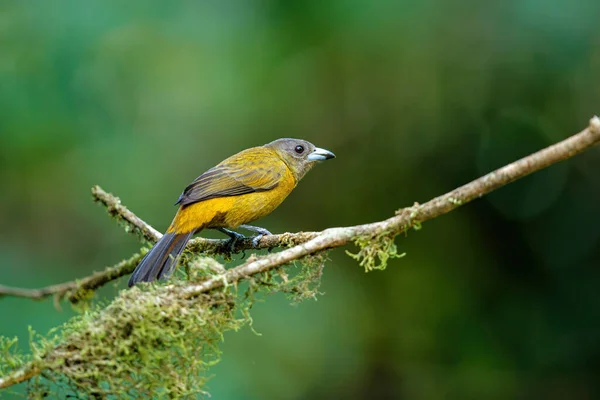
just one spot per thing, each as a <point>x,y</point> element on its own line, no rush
<point>233,211</point>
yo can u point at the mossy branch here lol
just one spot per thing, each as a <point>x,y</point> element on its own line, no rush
<point>191,299</point>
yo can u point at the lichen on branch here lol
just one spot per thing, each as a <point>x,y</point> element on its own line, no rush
<point>375,251</point>
<point>151,340</point>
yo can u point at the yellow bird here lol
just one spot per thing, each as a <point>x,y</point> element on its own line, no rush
<point>237,191</point>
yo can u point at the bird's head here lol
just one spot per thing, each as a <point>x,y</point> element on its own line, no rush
<point>299,155</point>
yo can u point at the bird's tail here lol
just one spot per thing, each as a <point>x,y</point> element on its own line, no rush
<point>161,259</point>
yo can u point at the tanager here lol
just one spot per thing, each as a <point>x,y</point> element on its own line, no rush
<point>237,191</point>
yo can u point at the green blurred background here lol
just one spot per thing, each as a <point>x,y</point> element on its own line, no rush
<point>498,299</point>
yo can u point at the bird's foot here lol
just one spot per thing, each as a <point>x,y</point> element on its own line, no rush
<point>257,229</point>
<point>234,237</point>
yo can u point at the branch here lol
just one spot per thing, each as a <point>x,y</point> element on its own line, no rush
<point>78,289</point>
<point>327,239</point>
<point>132,222</point>
<point>75,290</point>
<point>20,375</point>
<point>405,219</point>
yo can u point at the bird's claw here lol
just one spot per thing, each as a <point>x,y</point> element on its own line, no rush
<point>234,237</point>
<point>256,240</point>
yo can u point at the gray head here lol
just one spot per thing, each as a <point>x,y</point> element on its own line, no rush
<point>299,155</point>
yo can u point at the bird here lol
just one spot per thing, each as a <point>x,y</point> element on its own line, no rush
<point>240,189</point>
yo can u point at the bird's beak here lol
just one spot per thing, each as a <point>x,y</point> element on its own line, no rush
<point>319,154</point>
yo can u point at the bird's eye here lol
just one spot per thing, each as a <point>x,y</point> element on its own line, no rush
<point>299,149</point>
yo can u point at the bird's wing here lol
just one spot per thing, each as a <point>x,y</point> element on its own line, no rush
<point>252,170</point>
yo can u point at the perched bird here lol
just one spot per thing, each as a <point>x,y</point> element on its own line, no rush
<point>237,191</point>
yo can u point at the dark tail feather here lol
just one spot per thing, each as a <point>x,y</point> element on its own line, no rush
<point>161,259</point>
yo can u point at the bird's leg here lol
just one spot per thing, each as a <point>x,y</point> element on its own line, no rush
<point>256,229</point>
<point>233,239</point>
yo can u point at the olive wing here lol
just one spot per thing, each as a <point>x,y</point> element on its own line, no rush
<point>250,171</point>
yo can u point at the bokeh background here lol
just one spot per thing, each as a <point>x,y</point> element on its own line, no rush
<point>499,299</point>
